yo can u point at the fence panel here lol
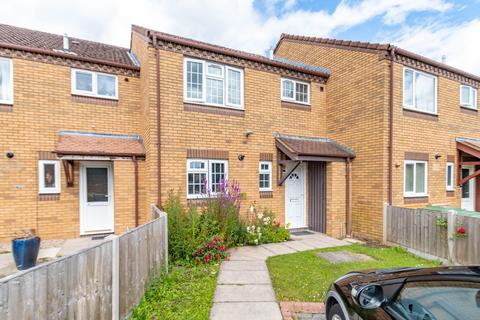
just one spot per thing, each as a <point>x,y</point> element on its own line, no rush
<point>417,229</point>
<point>80,286</point>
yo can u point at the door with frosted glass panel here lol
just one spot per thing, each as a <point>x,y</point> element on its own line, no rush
<point>468,189</point>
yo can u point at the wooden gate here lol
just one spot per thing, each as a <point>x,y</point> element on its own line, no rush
<point>317,196</point>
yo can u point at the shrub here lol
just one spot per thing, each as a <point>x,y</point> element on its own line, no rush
<point>213,250</point>
<point>263,228</point>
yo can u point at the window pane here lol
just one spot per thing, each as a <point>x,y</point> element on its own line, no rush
<point>474,97</point>
<point>49,175</point>
<point>301,92</point>
<point>215,91</point>
<point>5,81</point>
<point>287,89</point>
<point>196,183</point>
<point>409,168</point>
<point>197,165</point>
<point>424,92</point>
<point>194,80</point>
<point>83,81</point>
<point>234,87</point>
<point>449,175</point>
<point>215,70</point>
<point>97,184</point>
<point>106,85</point>
<point>217,175</point>
<point>420,178</point>
<point>465,95</point>
<point>408,88</point>
<point>466,186</point>
<point>264,166</point>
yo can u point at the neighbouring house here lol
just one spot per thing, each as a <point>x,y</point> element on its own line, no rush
<point>324,133</point>
<point>412,121</point>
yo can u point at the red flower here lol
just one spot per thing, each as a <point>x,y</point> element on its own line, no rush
<point>221,248</point>
<point>461,230</point>
<point>206,259</point>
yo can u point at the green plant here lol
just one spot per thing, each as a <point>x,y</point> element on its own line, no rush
<point>211,251</point>
<point>263,228</point>
<point>442,223</point>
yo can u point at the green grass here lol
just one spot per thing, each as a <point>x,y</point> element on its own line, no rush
<point>184,293</point>
<point>304,276</point>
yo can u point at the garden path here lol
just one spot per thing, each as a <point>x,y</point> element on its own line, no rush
<point>244,289</point>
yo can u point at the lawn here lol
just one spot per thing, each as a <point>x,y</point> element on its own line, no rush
<point>304,276</point>
<point>184,293</point>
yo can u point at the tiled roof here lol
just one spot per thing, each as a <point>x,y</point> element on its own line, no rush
<point>316,147</point>
<point>52,44</point>
<point>94,144</point>
<point>376,47</point>
<point>231,52</point>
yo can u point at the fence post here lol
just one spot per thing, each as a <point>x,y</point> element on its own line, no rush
<point>166,241</point>
<point>385,213</point>
<point>451,217</point>
<point>115,278</point>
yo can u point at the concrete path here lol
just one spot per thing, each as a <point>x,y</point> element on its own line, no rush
<point>244,290</point>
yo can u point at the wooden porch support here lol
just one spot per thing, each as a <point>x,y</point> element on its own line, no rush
<point>290,166</point>
<point>473,175</point>
<point>69,175</point>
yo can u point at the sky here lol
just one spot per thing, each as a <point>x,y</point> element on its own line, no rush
<point>429,27</point>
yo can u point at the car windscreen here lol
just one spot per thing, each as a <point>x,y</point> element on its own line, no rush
<point>438,300</point>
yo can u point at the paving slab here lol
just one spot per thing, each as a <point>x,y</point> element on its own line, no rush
<point>244,277</point>
<point>299,245</point>
<point>246,311</point>
<point>279,248</point>
<point>245,293</point>
<point>254,265</point>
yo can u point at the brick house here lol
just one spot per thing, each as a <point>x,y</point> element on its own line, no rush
<point>412,121</point>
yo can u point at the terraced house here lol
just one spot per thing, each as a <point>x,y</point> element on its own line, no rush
<point>324,134</point>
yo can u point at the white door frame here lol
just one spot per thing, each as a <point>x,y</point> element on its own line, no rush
<point>301,170</point>
<point>83,199</point>
<point>470,203</point>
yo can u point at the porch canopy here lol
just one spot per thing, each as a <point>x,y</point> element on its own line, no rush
<point>75,145</point>
<point>468,155</point>
<point>293,150</point>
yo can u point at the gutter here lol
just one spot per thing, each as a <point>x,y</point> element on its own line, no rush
<point>391,51</point>
<point>159,175</point>
<point>347,198</point>
<point>68,56</point>
<point>135,168</point>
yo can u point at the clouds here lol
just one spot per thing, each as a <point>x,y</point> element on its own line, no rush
<point>238,24</point>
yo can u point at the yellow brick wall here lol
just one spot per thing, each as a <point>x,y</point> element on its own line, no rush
<point>357,111</point>
<point>336,195</point>
<point>43,106</point>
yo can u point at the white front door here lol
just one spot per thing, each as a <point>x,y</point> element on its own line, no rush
<point>468,189</point>
<point>96,198</point>
<point>295,198</point>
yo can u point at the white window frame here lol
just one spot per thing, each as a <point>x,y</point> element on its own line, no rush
<point>94,92</point>
<point>294,99</point>
<point>41,173</point>
<point>413,106</point>
<point>10,89</point>
<point>225,79</point>
<point>414,193</point>
<point>208,172</point>
<point>268,171</point>
<point>472,95</point>
<point>452,173</point>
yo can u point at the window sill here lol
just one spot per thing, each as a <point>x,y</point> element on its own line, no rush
<point>468,110</point>
<point>296,105</point>
<point>5,107</point>
<point>207,108</point>
<point>94,100</point>
<point>415,199</point>
<point>266,194</point>
<point>420,114</point>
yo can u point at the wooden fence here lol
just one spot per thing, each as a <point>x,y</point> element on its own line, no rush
<point>417,229</point>
<point>101,282</point>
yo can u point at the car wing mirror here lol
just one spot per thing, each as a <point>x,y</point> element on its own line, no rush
<point>368,297</point>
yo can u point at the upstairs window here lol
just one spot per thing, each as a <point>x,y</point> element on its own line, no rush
<point>265,175</point>
<point>203,174</point>
<point>419,91</point>
<point>415,179</point>
<point>48,176</point>
<point>213,84</point>
<point>450,176</point>
<point>6,81</point>
<point>295,91</point>
<point>94,84</point>
<point>468,97</point>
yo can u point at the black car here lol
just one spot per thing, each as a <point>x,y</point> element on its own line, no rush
<point>407,293</point>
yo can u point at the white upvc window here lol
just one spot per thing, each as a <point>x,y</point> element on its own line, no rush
<point>468,97</point>
<point>265,175</point>
<point>295,91</point>
<point>419,91</point>
<point>449,176</point>
<point>94,84</point>
<point>48,176</point>
<point>212,84</point>
<point>6,81</point>
<point>204,177</point>
<point>415,178</point>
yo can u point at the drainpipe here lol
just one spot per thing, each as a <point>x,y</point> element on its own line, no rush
<point>159,175</point>
<point>135,170</point>
<point>390,127</point>
<point>347,198</point>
